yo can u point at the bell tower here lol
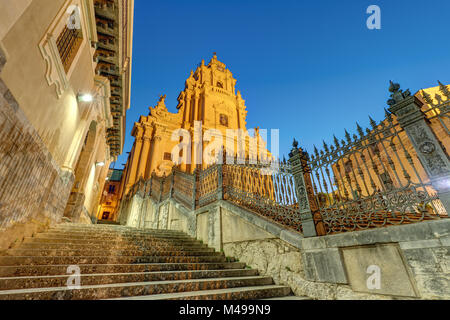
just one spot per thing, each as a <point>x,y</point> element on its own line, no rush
<point>210,97</point>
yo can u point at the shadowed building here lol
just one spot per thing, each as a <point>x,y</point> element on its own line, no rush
<point>65,68</point>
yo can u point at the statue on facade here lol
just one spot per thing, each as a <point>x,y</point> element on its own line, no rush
<point>190,82</point>
<point>161,103</point>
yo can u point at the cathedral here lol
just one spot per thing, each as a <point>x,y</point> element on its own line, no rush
<point>209,98</point>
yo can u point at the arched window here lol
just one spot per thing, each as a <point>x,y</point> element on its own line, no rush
<point>219,84</point>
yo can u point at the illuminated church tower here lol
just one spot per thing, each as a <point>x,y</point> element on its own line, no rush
<point>209,97</point>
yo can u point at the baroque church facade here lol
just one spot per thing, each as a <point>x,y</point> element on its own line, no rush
<point>210,98</point>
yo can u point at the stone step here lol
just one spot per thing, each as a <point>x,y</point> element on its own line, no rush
<point>16,260</point>
<point>109,236</point>
<point>118,290</point>
<point>108,252</point>
<point>114,246</point>
<point>106,242</point>
<point>107,222</point>
<point>39,270</point>
<point>116,230</point>
<point>94,228</point>
<point>246,293</point>
<point>10,283</point>
<point>125,231</point>
<point>122,262</point>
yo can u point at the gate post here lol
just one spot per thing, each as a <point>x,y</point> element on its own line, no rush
<point>220,182</point>
<point>432,156</point>
<point>298,171</point>
<point>161,187</point>
<point>172,183</point>
<point>194,189</point>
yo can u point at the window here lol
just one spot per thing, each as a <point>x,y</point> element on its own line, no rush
<point>168,156</point>
<point>224,120</point>
<point>219,84</point>
<point>68,43</point>
<point>112,188</point>
<point>105,215</point>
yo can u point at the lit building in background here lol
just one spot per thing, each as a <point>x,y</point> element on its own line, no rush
<point>109,203</point>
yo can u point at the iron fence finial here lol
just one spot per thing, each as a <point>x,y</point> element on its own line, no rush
<point>372,123</point>
<point>336,141</point>
<point>360,130</point>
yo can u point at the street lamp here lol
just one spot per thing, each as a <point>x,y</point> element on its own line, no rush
<point>85,97</point>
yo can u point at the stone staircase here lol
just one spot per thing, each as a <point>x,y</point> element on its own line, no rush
<point>117,262</point>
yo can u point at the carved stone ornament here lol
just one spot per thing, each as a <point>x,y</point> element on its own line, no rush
<point>427,147</point>
<point>434,162</point>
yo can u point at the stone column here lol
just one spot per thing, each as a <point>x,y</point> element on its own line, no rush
<point>156,155</point>
<point>196,106</point>
<point>137,133</point>
<point>432,155</point>
<point>298,171</point>
<point>147,136</point>
<point>187,112</point>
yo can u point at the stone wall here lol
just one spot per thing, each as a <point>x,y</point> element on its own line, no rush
<point>412,260</point>
<point>284,263</point>
<point>33,189</point>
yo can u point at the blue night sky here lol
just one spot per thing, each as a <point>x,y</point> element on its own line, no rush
<point>308,68</point>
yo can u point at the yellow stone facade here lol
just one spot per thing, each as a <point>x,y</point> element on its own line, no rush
<point>210,98</point>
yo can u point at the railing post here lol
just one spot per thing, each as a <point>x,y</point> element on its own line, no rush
<point>298,171</point>
<point>150,187</point>
<point>172,184</point>
<point>194,188</point>
<point>220,181</point>
<point>163,180</point>
<point>435,161</point>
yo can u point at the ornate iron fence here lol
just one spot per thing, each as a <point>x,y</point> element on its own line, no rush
<point>208,185</point>
<point>375,178</point>
<point>156,188</point>
<point>166,187</point>
<point>270,193</point>
<point>183,189</point>
<point>371,180</point>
